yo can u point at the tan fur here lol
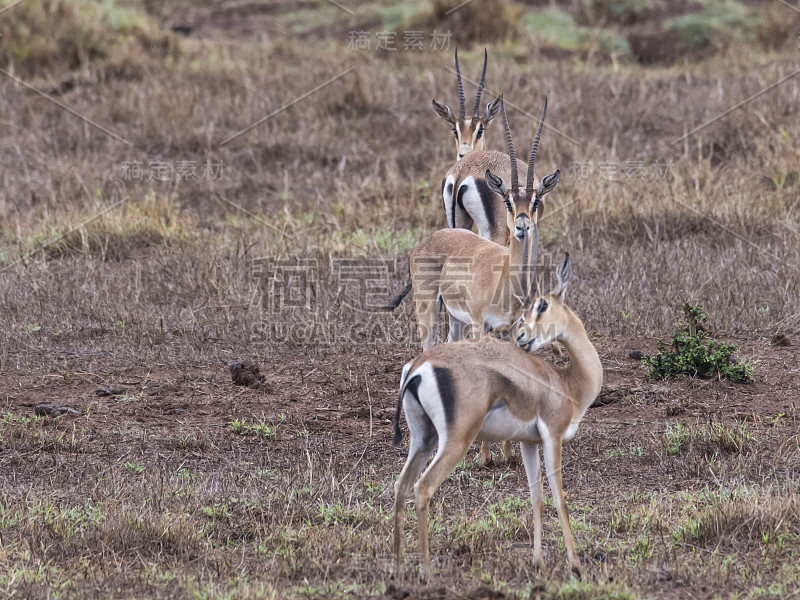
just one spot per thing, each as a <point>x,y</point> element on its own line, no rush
<point>488,376</point>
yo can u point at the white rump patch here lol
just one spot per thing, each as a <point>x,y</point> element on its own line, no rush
<point>473,205</point>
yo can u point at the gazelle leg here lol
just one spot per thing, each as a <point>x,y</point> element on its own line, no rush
<point>428,319</point>
<point>456,330</point>
<point>530,458</point>
<point>552,461</point>
<point>486,453</point>
<point>420,449</point>
<point>508,449</point>
<point>447,458</point>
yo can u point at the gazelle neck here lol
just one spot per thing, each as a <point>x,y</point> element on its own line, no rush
<point>518,265</point>
<point>583,376</point>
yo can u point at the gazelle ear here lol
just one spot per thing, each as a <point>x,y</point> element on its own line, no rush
<point>562,274</point>
<point>548,184</point>
<point>492,110</point>
<point>444,112</point>
<point>496,184</point>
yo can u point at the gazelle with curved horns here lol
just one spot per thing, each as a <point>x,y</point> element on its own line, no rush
<point>492,390</point>
<point>469,197</point>
<point>469,132</point>
<point>480,283</point>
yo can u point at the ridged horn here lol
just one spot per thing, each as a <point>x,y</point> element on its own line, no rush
<point>480,85</point>
<point>460,91</point>
<point>511,153</point>
<point>534,149</point>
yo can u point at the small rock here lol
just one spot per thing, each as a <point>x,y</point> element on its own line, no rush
<point>109,390</point>
<point>42,410</point>
<point>674,409</point>
<point>638,354</point>
<point>780,339</point>
<point>247,374</point>
<point>607,397</point>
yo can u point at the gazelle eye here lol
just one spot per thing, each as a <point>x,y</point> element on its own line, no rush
<point>455,132</point>
<point>542,306</point>
<point>479,133</point>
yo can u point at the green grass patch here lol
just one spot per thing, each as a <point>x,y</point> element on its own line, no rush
<point>558,28</point>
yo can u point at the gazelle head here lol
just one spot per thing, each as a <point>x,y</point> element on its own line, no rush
<point>546,318</point>
<point>523,207</point>
<point>469,132</point>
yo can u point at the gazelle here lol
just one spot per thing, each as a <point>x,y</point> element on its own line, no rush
<point>469,132</point>
<point>468,198</point>
<point>492,390</point>
<point>480,283</point>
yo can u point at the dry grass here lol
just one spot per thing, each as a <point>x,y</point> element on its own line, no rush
<point>175,279</point>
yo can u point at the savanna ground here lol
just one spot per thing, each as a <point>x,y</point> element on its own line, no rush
<point>119,269</point>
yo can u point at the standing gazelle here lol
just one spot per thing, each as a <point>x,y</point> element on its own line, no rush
<point>480,283</point>
<point>492,390</point>
<point>469,132</point>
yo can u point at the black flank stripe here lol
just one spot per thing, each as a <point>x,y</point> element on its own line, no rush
<point>460,199</point>
<point>413,386</point>
<point>488,201</point>
<point>447,391</point>
<point>443,180</point>
<point>506,387</point>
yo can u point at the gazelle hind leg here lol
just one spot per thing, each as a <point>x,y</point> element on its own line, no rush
<point>422,444</point>
<point>447,457</point>
<point>552,461</point>
<point>428,319</point>
<point>533,470</point>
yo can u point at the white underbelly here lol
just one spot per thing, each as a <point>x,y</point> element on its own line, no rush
<point>499,425</point>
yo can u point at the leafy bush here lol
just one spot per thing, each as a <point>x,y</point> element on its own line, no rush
<point>695,353</point>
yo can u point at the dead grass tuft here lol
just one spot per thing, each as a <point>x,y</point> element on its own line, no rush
<point>53,36</point>
<point>737,522</point>
<point>482,22</point>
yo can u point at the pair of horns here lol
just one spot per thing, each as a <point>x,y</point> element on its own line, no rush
<point>512,153</point>
<point>461,88</point>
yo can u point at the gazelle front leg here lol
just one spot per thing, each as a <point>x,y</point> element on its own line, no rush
<point>552,461</point>
<point>530,458</point>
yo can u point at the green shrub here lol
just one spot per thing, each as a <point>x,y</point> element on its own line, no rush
<point>618,11</point>
<point>717,23</point>
<point>694,353</point>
